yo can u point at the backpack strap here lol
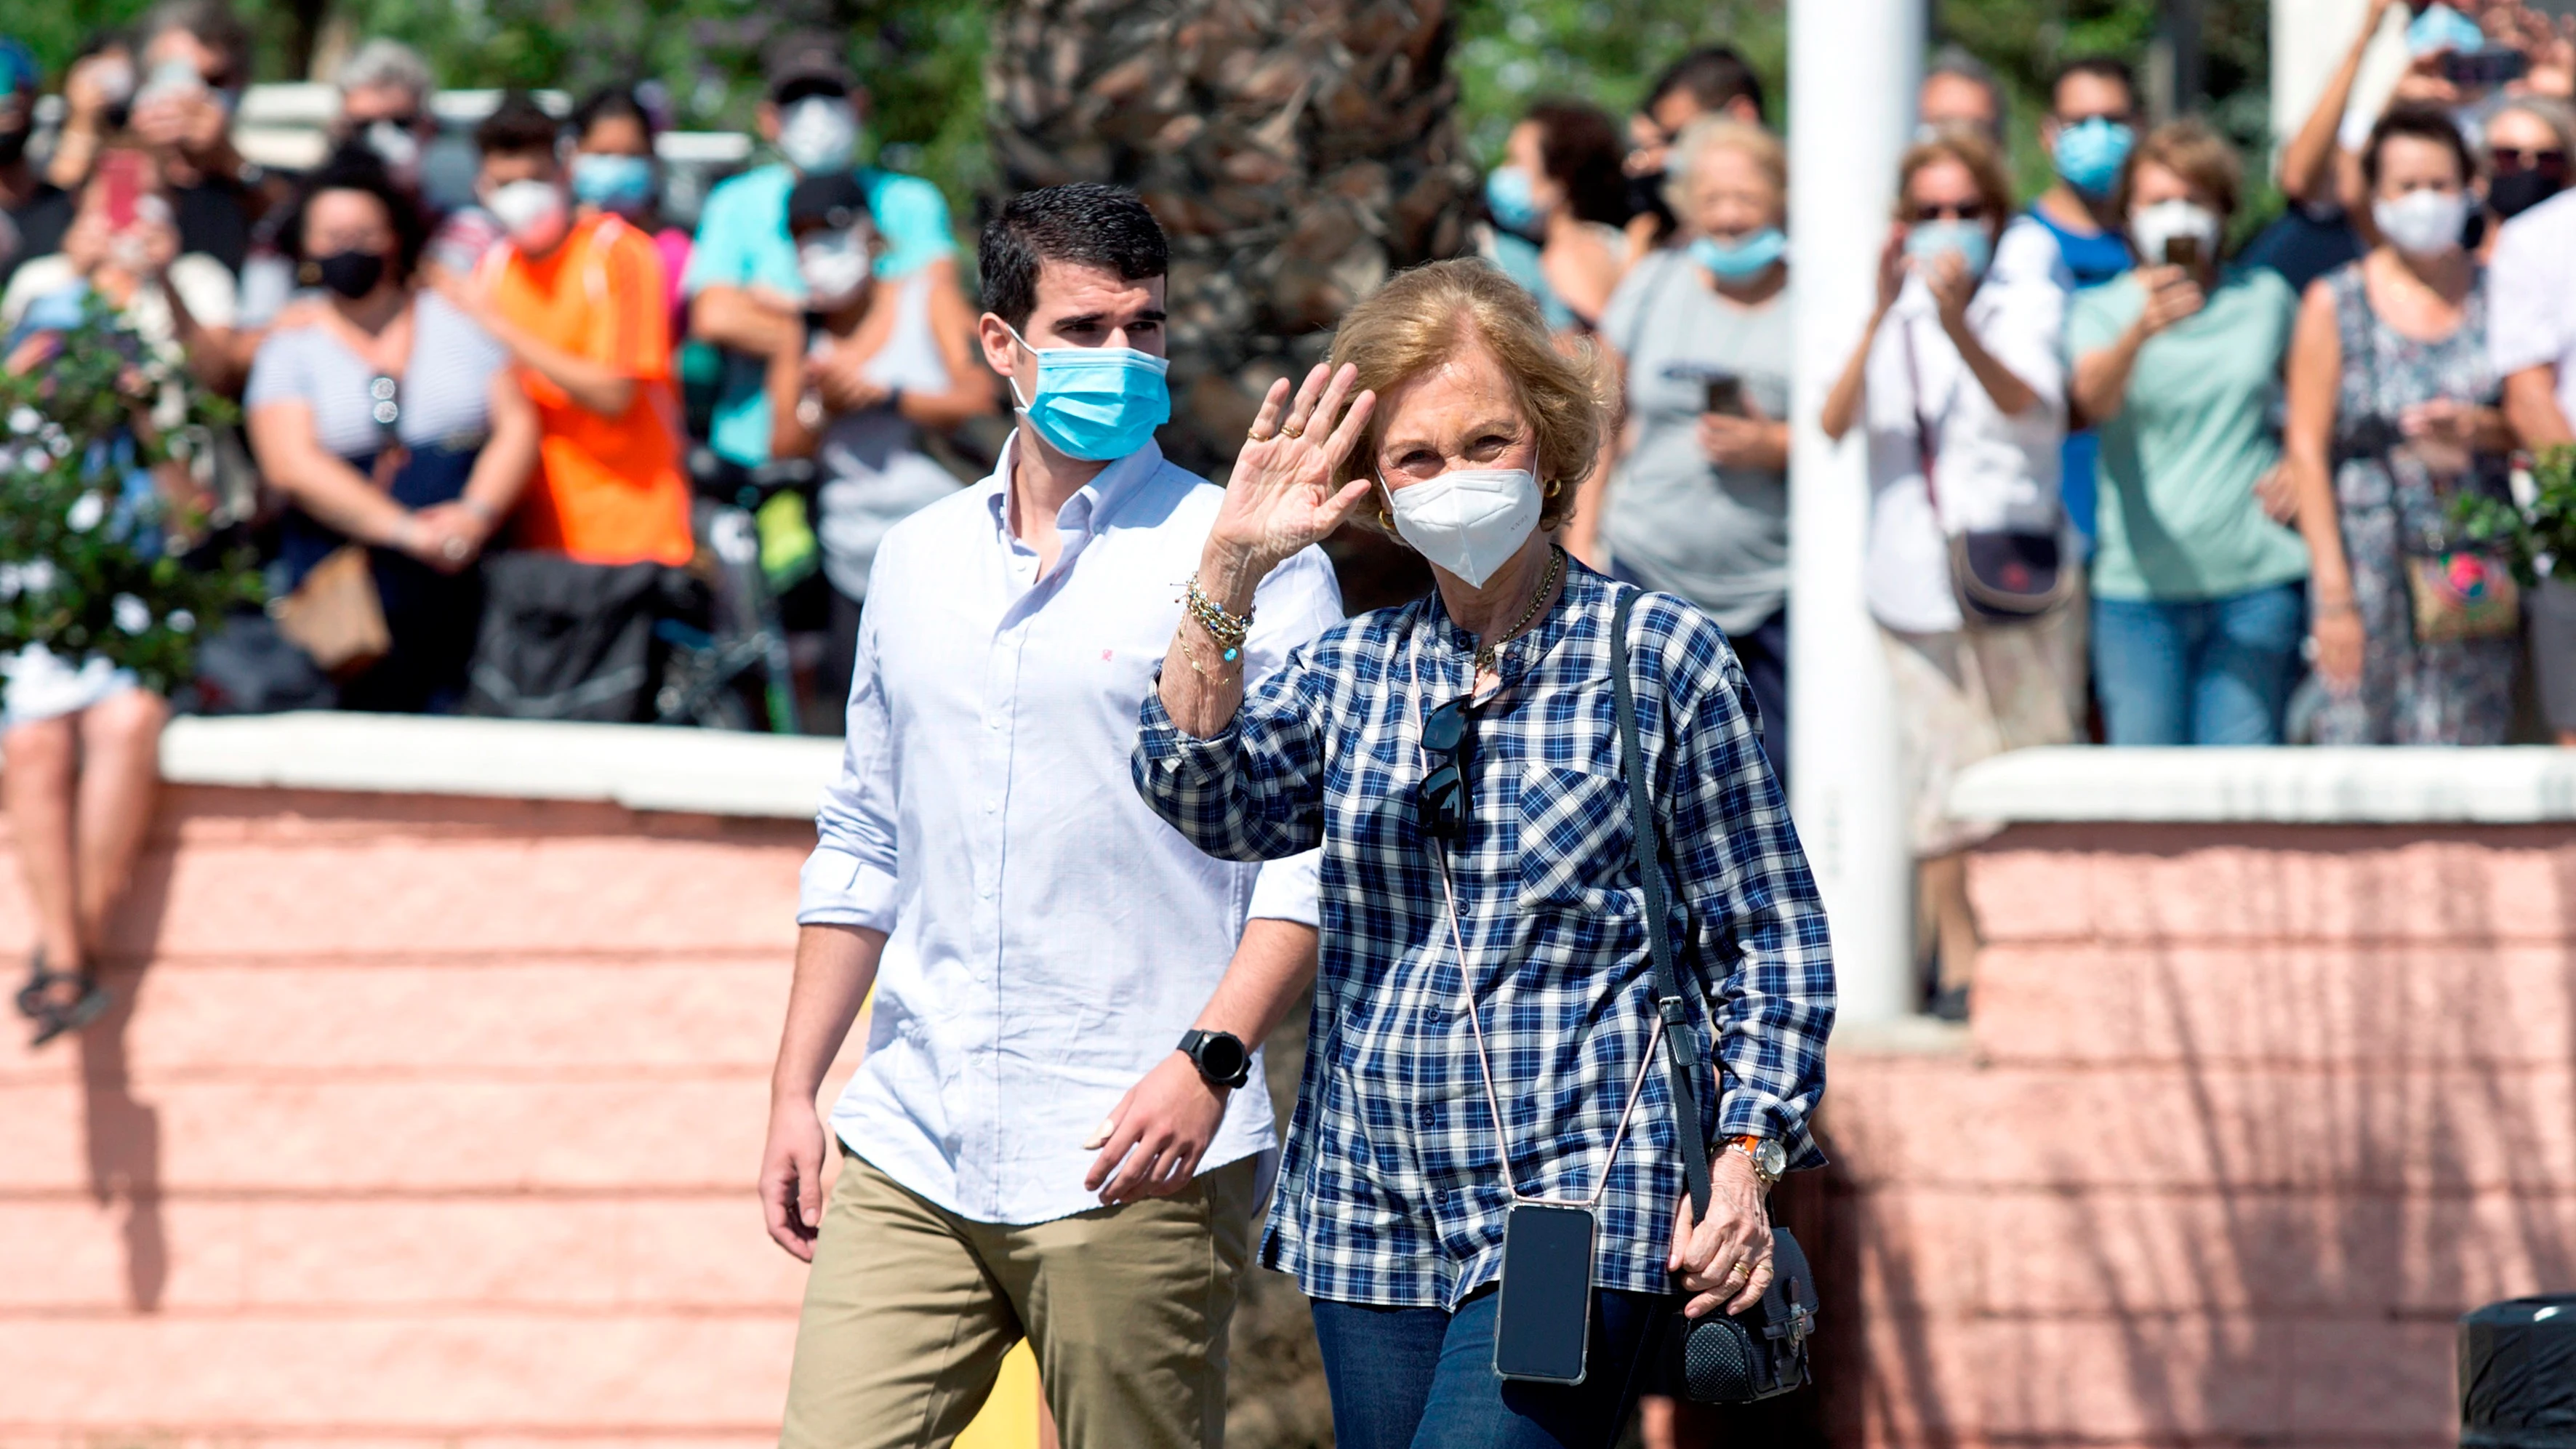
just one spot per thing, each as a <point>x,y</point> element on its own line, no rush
<point>1679,1038</point>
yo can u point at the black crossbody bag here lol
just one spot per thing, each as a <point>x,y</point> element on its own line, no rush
<point>1720,1359</point>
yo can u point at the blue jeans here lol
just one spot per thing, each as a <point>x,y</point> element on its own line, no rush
<point>1421,1378</point>
<point>2198,672</point>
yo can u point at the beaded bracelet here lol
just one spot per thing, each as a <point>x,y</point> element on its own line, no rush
<point>1228,630</point>
<point>1191,657</point>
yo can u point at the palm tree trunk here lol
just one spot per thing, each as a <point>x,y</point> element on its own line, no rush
<point>1296,151</point>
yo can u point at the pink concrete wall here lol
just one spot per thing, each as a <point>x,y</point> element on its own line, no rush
<point>419,1121</point>
<point>2246,1117</point>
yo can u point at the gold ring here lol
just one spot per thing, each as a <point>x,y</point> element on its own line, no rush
<point>1257,436</point>
<point>1291,430</point>
<point>1741,1269</point>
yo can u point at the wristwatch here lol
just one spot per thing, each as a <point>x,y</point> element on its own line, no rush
<point>1220,1057</point>
<point>1770,1159</point>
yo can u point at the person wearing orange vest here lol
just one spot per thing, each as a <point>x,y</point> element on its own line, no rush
<point>581,305</point>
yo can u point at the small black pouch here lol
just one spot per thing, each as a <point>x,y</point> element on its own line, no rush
<point>2005,576</point>
<point>1760,1353</point>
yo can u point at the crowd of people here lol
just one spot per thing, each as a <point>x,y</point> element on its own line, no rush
<point>464,459</point>
<point>2130,480</point>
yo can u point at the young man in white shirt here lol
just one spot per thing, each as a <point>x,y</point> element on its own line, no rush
<point>1025,1151</point>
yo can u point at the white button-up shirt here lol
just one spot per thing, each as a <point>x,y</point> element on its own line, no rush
<point>1049,938</point>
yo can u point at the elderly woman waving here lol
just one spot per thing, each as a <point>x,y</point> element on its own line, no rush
<point>1485,1011</point>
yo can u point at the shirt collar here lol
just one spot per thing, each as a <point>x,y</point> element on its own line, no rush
<point>1092,506</point>
<point>1522,652</point>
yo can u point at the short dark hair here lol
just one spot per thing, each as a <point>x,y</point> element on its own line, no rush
<point>2100,67</point>
<point>355,168</point>
<point>1084,223</point>
<point>2423,122</point>
<point>611,103</point>
<point>1715,75</point>
<point>214,25</point>
<point>834,200</point>
<point>516,127</point>
<point>1580,149</point>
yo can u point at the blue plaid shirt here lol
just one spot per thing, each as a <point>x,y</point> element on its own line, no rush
<point>1392,1189</point>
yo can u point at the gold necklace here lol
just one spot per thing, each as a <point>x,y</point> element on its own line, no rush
<point>1488,656</point>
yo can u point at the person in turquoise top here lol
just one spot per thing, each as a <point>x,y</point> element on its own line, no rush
<point>745,294</point>
<point>2198,604</point>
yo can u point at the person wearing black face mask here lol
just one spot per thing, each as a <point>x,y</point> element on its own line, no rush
<point>2528,141</point>
<point>391,422</point>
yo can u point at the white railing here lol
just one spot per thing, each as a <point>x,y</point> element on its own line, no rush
<point>641,767</point>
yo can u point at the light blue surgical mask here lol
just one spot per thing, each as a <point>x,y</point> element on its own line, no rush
<point>621,184</point>
<point>2091,152</point>
<point>1734,261</point>
<point>2442,28</point>
<point>1096,403</point>
<point>1511,197</point>
<point>1925,241</point>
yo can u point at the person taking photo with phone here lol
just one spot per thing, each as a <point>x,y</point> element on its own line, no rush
<point>124,246</point>
<point>1700,346</point>
<point>1460,761</point>
<point>1960,388</point>
<point>2198,612</point>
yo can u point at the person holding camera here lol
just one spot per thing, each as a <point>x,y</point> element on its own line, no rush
<point>1508,1082</point>
<point>2198,613</point>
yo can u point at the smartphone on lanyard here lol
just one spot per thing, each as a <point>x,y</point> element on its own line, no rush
<point>1544,1321</point>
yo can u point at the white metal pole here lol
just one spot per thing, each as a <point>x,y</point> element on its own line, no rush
<point>1854,66</point>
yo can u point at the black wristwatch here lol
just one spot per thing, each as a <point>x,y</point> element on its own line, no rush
<point>1220,1057</point>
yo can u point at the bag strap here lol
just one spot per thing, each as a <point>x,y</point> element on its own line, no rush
<point>1670,1008</point>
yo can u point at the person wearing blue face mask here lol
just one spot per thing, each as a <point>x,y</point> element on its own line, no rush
<point>1959,389</point>
<point>2090,128</point>
<point>613,171</point>
<point>746,297</point>
<point>1556,205</point>
<point>1700,333</point>
<point>1037,939</point>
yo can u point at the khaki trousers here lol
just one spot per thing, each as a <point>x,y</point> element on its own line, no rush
<point>910,1309</point>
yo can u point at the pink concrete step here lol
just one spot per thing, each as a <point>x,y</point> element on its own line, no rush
<point>2286,1002</point>
<point>2176,883</point>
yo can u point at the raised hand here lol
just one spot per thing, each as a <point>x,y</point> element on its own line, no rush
<point>1282,497</point>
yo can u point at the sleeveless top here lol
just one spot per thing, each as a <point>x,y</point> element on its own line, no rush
<point>2385,372</point>
<point>874,473</point>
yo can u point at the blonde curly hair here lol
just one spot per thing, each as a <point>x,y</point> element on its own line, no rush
<point>1424,316</point>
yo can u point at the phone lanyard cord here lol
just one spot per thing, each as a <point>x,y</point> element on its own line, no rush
<point>1467,999</point>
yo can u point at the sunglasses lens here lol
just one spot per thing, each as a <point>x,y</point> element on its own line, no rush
<point>1443,804</point>
<point>1445,728</point>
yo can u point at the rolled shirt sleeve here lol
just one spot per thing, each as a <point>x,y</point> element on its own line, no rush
<point>850,879</point>
<point>1285,889</point>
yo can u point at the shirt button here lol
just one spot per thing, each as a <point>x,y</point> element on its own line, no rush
<point>1428,1115</point>
<point>992,805</point>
